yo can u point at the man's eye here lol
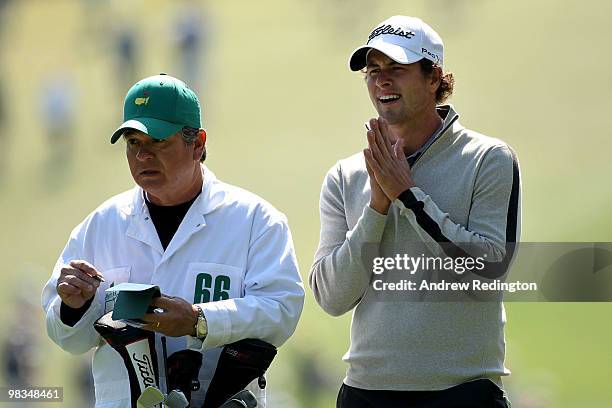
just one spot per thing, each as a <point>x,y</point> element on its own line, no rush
<point>396,68</point>
<point>374,71</point>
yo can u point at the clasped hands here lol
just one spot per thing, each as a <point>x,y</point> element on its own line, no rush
<point>387,166</point>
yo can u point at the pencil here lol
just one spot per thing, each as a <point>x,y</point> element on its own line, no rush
<point>97,277</point>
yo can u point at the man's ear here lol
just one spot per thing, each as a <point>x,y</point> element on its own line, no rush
<point>436,78</point>
<point>200,144</point>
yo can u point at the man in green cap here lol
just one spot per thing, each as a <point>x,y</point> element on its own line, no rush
<point>222,257</point>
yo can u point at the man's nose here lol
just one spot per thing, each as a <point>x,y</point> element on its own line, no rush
<point>144,152</point>
<point>383,79</point>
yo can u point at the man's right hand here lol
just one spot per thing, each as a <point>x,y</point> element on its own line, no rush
<point>378,200</point>
<point>76,285</point>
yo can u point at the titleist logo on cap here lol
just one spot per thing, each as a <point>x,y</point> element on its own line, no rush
<point>389,29</point>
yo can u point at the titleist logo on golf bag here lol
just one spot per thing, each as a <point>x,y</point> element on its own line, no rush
<point>140,356</point>
<point>137,350</point>
<point>389,29</point>
<point>145,369</point>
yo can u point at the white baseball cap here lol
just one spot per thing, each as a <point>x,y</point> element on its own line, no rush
<point>403,39</point>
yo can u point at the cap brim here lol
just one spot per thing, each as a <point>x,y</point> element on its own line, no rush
<point>156,128</point>
<point>398,54</point>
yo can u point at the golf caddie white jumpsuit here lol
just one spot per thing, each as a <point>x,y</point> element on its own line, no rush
<point>232,253</point>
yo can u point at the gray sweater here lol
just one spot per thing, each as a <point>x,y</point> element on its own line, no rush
<point>468,193</point>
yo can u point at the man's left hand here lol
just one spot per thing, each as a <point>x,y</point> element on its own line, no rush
<point>178,317</point>
<point>387,161</point>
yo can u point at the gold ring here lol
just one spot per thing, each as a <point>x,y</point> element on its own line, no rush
<point>157,325</point>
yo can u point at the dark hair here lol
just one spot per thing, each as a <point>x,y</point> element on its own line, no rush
<point>190,135</point>
<point>447,81</point>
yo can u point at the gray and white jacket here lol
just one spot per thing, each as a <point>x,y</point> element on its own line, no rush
<point>468,194</point>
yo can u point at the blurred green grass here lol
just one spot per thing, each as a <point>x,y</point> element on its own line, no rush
<point>281,108</point>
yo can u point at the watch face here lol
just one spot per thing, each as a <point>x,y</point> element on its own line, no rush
<point>201,328</point>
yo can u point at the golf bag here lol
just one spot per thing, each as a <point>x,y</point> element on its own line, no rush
<point>137,348</point>
<point>183,369</point>
<point>239,364</point>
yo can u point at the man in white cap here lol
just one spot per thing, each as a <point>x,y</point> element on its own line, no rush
<point>222,257</point>
<point>425,187</point>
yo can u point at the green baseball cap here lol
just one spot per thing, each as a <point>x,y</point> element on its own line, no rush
<point>159,106</point>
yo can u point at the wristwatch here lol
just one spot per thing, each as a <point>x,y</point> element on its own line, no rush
<point>201,327</point>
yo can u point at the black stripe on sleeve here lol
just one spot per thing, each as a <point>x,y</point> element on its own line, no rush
<point>493,269</point>
<point>512,218</point>
<point>496,270</point>
<point>429,225</point>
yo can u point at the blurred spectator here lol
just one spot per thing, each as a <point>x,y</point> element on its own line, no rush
<point>85,382</point>
<point>191,31</point>
<point>111,29</point>
<point>58,114</point>
<point>19,349</point>
<point>124,37</point>
<point>17,357</point>
<point>125,50</point>
<point>313,377</point>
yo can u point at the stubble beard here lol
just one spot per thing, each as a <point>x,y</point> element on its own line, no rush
<point>393,116</point>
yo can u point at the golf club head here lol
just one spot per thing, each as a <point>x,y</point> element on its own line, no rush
<point>242,399</point>
<point>150,397</point>
<point>176,399</point>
